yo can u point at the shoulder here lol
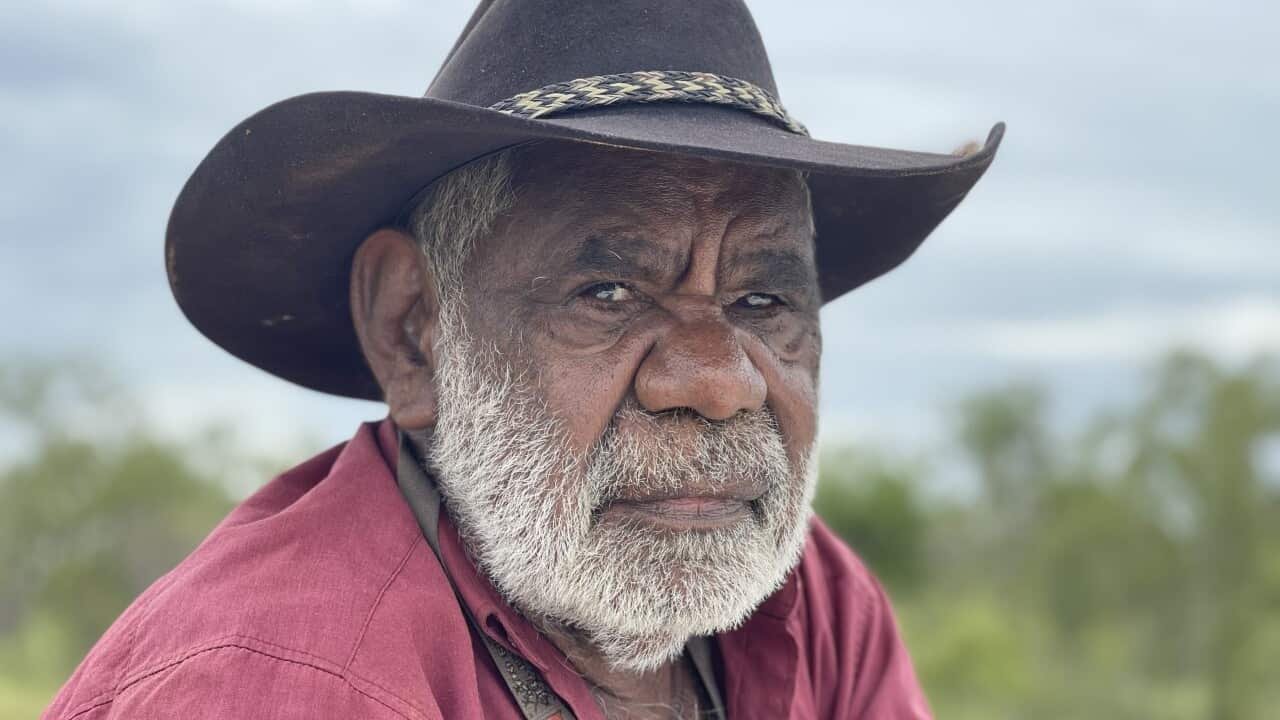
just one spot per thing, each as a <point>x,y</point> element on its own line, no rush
<point>860,663</point>
<point>837,584</point>
<point>277,600</point>
<point>237,678</point>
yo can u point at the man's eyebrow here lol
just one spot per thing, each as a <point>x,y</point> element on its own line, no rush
<point>632,257</point>
<point>776,269</point>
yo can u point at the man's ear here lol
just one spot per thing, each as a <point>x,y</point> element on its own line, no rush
<point>394,306</point>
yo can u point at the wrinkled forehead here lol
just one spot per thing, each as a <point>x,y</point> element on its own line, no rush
<point>623,184</point>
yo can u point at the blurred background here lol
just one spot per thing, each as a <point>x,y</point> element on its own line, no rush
<point>1054,432</point>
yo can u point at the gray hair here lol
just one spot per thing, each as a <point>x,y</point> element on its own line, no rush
<point>457,210</point>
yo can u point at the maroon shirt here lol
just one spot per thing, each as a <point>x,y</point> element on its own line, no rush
<point>319,598</point>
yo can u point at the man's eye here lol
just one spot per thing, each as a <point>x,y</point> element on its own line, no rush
<point>611,292</point>
<point>757,301</point>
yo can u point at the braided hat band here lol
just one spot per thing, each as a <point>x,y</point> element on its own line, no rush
<point>648,86</point>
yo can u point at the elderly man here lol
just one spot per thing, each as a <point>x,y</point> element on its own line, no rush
<point>584,272</point>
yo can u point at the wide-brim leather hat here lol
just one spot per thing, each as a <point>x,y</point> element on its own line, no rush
<point>260,240</point>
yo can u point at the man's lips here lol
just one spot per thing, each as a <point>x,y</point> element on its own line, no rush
<point>694,512</point>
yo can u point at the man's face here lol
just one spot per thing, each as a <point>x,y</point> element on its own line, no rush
<point>628,394</point>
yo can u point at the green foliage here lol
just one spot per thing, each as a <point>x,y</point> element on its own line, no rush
<point>872,503</point>
<point>1131,570</point>
<point>85,524</point>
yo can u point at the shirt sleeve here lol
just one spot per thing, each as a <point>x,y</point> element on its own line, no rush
<point>872,674</point>
<point>887,688</point>
<point>238,682</point>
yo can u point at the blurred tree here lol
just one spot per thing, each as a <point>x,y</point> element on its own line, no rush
<point>872,502</point>
<point>92,512</point>
<point>1197,441</point>
<point>1005,434</point>
<point>1129,570</point>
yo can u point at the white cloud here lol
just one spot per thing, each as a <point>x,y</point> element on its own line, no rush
<point>1090,221</point>
<point>1235,329</point>
<point>264,415</point>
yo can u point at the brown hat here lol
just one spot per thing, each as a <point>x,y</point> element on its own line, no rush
<point>260,240</point>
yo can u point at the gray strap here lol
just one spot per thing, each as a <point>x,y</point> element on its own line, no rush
<point>536,700</point>
<point>699,648</point>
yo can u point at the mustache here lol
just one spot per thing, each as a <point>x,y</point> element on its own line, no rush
<point>679,452</point>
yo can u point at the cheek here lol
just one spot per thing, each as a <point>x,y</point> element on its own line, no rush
<point>792,379</point>
<point>585,385</point>
<point>793,340</point>
<point>796,407</point>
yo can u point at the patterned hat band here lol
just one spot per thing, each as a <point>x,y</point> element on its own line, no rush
<point>647,87</point>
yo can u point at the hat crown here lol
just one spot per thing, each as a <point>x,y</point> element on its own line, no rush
<point>515,46</point>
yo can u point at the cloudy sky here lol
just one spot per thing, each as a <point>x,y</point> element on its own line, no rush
<point>1131,207</point>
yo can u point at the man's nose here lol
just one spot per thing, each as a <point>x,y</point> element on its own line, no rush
<point>700,364</point>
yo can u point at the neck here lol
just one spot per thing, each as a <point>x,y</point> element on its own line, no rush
<point>668,691</point>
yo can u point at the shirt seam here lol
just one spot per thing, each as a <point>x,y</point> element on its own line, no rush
<point>377,601</point>
<point>247,643</point>
<point>162,585</point>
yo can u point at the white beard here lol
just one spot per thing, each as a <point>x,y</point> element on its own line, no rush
<point>528,507</point>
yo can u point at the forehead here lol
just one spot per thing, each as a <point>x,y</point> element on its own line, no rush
<point>627,185</point>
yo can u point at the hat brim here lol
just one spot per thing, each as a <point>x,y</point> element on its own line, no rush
<point>260,240</point>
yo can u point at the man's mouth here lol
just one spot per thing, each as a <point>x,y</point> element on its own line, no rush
<point>685,512</point>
